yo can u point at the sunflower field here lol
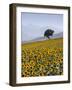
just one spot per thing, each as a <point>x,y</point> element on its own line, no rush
<point>42,58</point>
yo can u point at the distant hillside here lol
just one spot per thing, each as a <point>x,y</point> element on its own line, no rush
<point>58,35</point>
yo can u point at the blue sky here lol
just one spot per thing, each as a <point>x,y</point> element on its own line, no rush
<point>33,25</point>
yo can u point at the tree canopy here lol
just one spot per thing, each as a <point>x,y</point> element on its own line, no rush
<point>48,33</point>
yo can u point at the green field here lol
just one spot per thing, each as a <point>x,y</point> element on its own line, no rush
<point>42,58</point>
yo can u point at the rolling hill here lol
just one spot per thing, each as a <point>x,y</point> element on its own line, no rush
<point>58,35</point>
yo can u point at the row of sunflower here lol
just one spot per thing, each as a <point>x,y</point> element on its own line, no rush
<point>42,61</point>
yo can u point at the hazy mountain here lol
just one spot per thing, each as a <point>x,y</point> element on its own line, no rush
<point>58,35</point>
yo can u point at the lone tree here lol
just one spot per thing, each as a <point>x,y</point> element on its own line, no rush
<point>48,33</point>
